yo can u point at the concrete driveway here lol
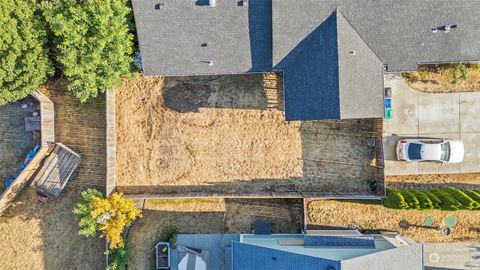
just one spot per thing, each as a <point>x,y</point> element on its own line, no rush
<point>454,116</point>
<point>451,256</point>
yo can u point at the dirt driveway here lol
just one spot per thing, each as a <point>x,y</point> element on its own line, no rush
<point>452,116</point>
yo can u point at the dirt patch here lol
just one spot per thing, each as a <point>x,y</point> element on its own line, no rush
<point>462,181</point>
<point>207,216</point>
<point>445,78</point>
<point>375,216</point>
<point>227,134</point>
<point>38,235</point>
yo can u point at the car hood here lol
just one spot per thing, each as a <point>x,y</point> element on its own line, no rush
<point>457,151</point>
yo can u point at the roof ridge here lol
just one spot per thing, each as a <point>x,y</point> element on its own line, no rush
<point>339,13</point>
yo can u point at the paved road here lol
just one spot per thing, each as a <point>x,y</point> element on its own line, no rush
<point>452,256</point>
<point>453,116</point>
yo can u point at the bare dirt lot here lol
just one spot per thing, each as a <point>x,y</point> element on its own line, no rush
<point>207,216</point>
<point>37,235</point>
<point>227,135</point>
<point>375,216</point>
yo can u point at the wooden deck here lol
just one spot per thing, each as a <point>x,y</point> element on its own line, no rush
<point>57,169</point>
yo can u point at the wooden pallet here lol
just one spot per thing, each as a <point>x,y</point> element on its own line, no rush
<point>56,170</point>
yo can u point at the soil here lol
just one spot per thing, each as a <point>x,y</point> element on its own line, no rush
<point>375,216</point>
<point>206,216</point>
<point>441,79</point>
<point>36,235</point>
<point>427,181</point>
<point>227,134</point>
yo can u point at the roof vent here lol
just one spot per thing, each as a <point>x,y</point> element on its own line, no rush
<point>159,6</point>
<point>352,52</point>
<point>212,3</point>
<point>444,28</point>
<point>204,45</point>
<point>209,62</point>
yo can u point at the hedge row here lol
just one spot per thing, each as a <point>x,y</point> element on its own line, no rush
<point>440,198</point>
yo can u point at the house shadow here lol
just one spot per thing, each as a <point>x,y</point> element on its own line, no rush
<point>243,91</point>
<point>260,33</point>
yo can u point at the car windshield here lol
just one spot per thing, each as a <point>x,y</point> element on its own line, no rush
<point>414,150</point>
<point>445,151</point>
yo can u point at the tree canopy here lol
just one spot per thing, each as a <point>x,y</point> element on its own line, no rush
<point>93,42</point>
<point>24,62</point>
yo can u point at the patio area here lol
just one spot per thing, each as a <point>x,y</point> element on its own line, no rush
<point>15,141</point>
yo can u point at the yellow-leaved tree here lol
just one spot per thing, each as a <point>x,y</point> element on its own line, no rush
<point>109,215</point>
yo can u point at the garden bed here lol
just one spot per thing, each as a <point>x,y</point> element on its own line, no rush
<point>445,78</point>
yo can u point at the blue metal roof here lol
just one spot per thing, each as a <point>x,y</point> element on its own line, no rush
<point>311,75</point>
<point>248,257</point>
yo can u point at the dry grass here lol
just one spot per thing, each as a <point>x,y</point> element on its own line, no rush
<point>37,235</point>
<point>461,180</point>
<point>445,78</point>
<point>375,216</point>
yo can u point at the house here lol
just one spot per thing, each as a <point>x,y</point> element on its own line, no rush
<point>333,53</point>
<point>321,250</point>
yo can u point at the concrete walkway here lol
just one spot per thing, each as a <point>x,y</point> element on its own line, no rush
<point>454,116</point>
<point>451,256</point>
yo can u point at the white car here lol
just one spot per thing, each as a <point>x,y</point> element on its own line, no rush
<point>444,151</point>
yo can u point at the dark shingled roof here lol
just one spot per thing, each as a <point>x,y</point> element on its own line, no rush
<point>332,74</point>
<point>398,32</point>
<point>311,41</point>
<point>171,37</point>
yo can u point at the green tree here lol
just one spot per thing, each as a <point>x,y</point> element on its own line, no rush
<point>24,62</point>
<point>93,42</point>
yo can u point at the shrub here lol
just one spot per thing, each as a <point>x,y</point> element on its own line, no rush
<point>83,210</point>
<point>394,200</point>
<point>460,73</point>
<point>109,215</point>
<point>24,63</point>
<point>466,202</point>
<point>447,201</point>
<point>93,42</point>
<point>410,199</point>
<point>424,201</point>
<point>443,199</point>
<point>119,258</point>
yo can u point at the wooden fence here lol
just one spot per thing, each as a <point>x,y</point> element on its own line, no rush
<point>111,141</point>
<point>47,129</point>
